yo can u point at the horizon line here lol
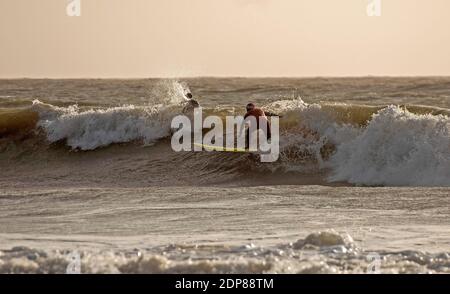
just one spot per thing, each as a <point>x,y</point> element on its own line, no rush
<point>224,77</point>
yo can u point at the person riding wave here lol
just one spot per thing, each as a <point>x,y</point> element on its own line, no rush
<point>261,117</point>
<point>191,103</point>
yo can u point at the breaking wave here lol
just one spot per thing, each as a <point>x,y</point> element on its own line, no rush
<point>370,146</point>
<point>91,129</point>
<point>396,148</point>
<point>357,144</point>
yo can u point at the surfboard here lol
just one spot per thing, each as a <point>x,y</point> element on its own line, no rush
<point>224,149</point>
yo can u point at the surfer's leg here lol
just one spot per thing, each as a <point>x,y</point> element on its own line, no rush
<point>247,139</point>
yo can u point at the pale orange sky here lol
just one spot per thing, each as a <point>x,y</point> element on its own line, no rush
<point>179,38</point>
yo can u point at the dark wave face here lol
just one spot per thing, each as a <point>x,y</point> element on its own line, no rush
<point>368,131</point>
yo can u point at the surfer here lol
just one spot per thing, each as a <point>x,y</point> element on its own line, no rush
<point>259,114</point>
<point>191,103</point>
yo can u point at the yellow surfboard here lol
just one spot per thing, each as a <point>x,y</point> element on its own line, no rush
<point>224,149</point>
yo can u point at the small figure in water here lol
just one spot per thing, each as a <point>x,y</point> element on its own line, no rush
<point>191,103</point>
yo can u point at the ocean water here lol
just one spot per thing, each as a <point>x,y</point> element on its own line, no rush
<point>362,184</point>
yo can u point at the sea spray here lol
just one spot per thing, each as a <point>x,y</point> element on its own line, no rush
<point>397,148</point>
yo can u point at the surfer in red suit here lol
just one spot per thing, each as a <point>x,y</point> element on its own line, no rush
<point>257,113</point>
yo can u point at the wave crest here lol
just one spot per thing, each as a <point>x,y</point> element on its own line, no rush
<point>94,128</point>
<point>357,144</point>
<point>397,148</point>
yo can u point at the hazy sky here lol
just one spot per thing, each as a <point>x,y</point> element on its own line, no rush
<point>160,38</point>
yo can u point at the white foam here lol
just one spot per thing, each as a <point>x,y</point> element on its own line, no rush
<point>320,252</point>
<point>309,129</point>
<point>396,148</point>
<point>94,128</point>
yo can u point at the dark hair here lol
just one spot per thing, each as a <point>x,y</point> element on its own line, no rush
<point>189,95</point>
<point>250,106</point>
<point>195,103</point>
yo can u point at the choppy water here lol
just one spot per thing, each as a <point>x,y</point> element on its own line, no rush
<point>87,165</point>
